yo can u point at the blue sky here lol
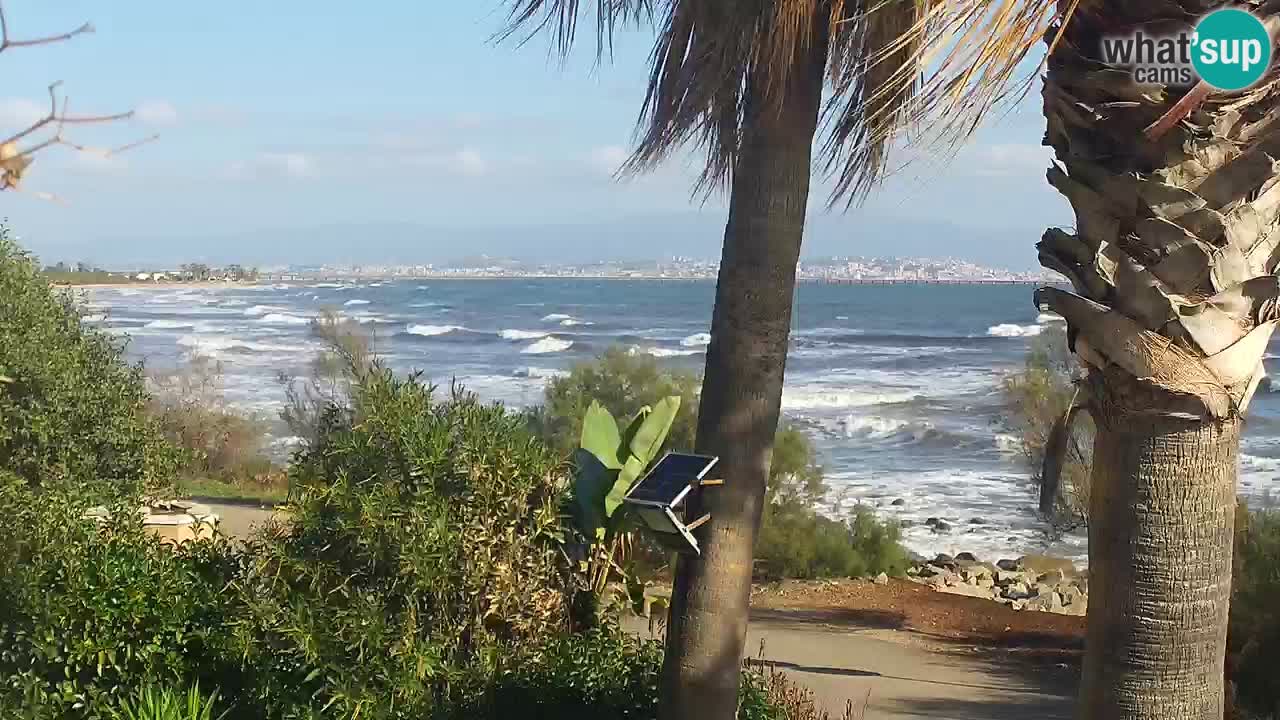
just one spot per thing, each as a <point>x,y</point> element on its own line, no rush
<point>401,132</point>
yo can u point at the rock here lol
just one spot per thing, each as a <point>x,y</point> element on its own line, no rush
<point>1007,577</point>
<point>1044,563</point>
<point>1017,591</point>
<point>1079,608</point>
<point>1071,594</point>
<point>984,581</point>
<point>898,503</point>
<point>1045,602</point>
<point>966,557</point>
<point>1007,564</point>
<point>882,579</point>
<point>944,560</point>
<point>942,526</point>
<point>906,523</point>
<point>1018,604</point>
<point>977,521</point>
<point>913,571</point>
<point>1052,577</point>
<point>967,590</point>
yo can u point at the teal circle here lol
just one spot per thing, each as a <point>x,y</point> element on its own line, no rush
<point>1225,42</point>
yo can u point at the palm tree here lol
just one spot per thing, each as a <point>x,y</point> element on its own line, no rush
<point>755,84</point>
<point>1173,264</point>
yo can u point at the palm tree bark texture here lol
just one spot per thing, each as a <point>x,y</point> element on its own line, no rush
<point>742,393</point>
<point>1172,264</point>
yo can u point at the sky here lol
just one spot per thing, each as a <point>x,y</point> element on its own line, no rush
<point>401,132</point>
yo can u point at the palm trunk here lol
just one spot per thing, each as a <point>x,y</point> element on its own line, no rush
<point>1173,262</point>
<point>1160,539</point>
<point>742,394</point>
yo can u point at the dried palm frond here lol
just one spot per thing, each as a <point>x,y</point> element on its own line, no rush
<point>940,66</point>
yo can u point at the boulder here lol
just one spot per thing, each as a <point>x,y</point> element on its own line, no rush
<point>882,579</point>
<point>977,521</point>
<point>1079,608</point>
<point>1017,591</point>
<point>966,557</point>
<point>1008,577</point>
<point>944,560</point>
<point>1044,563</point>
<point>966,589</point>
<point>898,503</point>
<point>1071,594</point>
<point>1052,577</point>
<point>1045,602</point>
<point>1007,564</point>
<point>942,526</point>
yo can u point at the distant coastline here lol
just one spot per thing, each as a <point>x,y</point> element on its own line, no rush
<point>213,284</point>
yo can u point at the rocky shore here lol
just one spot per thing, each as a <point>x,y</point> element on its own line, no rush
<point>1035,583</point>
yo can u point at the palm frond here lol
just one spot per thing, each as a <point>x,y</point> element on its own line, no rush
<point>560,18</point>
<point>936,66</point>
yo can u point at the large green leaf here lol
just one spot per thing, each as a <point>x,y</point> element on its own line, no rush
<point>649,429</point>
<point>591,484</point>
<point>600,436</point>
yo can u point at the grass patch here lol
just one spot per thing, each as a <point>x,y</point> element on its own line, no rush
<point>219,490</point>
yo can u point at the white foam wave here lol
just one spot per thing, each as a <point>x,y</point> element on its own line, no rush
<point>554,317</point>
<point>1257,464</point>
<point>842,317</point>
<point>817,398</point>
<point>874,427</point>
<point>522,334</point>
<point>377,284</point>
<point>570,322</point>
<point>168,325</point>
<point>327,285</point>
<point>1043,318</point>
<point>432,330</point>
<point>215,343</point>
<point>261,310</point>
<point>283,319</point>
<point>1009,330</point>
<point>93,318</point>
<point>669,352</point>
<point>547,345</point>
<point>541,373</point>
<point>425,304</point>
<point>355,302</point>
<point>235,303</point>
<point>697,340</point>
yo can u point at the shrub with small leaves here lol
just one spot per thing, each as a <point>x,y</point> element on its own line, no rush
<point>72,412</point>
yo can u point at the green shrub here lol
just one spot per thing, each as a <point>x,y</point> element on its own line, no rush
<point>1254,636</point>
<point>424,547</point>
<point>89,614</point>
<point>71,410</point>
<point>165,703</point>
<point>796,542</point>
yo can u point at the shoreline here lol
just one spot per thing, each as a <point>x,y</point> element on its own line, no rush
<point>215,284</point>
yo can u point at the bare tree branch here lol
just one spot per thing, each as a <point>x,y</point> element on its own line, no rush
<point>14,161</point>
<point>6,42</point>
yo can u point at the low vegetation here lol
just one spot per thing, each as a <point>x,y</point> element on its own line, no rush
<point>72,412</point>
<point>796,539</point>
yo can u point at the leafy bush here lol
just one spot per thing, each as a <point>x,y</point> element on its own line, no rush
<point>71,410</point>
<point>344,359</point>
<point>1254,634</point>
<point>424,547</point>
<point>222,443</point>
<point>89,614</point>
<point>796,542</point>
<point>165,703</point>
<point>1036,397</point>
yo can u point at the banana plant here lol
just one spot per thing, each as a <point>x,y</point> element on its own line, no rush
<point>609,460</point>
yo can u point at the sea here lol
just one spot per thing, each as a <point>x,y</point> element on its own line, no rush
<point>898,385</point>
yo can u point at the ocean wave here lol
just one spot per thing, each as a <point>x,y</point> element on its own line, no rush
<point>222,343</point>
<point>522,334</point>
<point>283,319</point>
<point>427,305</point>
<point>815,398</point>
<point>1043,318</point>
<point>168,325</point>
<point>539,373</point>
<point>327,285</point>
<point>697,340</point>
<point>357,301</point>
<point>235,303</point>
<point>1258,464</point>
<point>842,317</point>
<point>668,352</point>
<point>1009,330</point>
<point>261,310</point>
<point>432,330</point>
<point>556,317</point>
<point>93,318</point>
<point>570,322</point>
<point>547,345</point>
<point>377,284</point>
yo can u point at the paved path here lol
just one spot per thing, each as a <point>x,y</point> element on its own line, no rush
<point>896,679</point>
<point>843,663</point>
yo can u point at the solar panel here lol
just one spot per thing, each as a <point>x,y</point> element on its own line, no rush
<point>667,482</point>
